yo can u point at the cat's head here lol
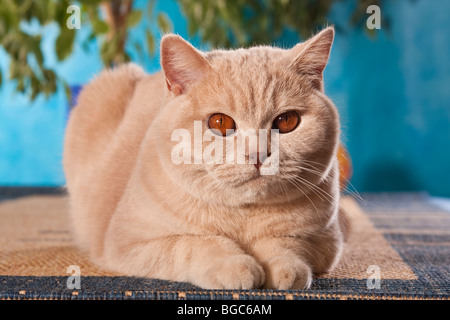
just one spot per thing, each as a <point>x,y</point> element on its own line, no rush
<point>243,90</point>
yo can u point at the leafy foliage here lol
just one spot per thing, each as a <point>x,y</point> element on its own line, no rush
<point>222,23</point>
<point>27,66</point>
<point>242,23</point>
<point>110,21</point>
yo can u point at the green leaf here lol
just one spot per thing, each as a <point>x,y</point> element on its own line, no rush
<point>164,23</point>
<point>36,49</point>
<point>109,51</point>
<point>50,75</point>
<point>25,6</point>
<point>64,43</point>
<point>150,42</point>
<point>50,10</point>
<point>14,71</point>
<point>105,52</point>
<point>99,26</point>
<point>134,17</point>
<point>21,86</point>
<point>67,91</point>
<point>35,86</point>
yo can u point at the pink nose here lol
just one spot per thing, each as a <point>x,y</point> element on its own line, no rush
<point>256,159</point>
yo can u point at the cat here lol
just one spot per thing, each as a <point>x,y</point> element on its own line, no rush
<point>215,225</point>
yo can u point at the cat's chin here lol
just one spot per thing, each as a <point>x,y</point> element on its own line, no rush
<point>253,179</point>
<point>256,188</point>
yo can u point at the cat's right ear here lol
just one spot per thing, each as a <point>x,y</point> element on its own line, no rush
<point>310,57</point>
<point>183,65</point>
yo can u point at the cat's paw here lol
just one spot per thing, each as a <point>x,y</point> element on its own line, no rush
<point>235,272</point>
<point>285,274</point>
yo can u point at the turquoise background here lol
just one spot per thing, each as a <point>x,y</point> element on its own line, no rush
<point>392,91</point>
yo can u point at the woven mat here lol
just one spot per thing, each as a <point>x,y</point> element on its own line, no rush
<point>408,247</point>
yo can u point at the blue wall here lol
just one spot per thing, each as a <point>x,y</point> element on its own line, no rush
<point>392,91</point>
<point>394,94</point>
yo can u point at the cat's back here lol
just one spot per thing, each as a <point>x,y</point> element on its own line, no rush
<point>103,134</point>
<point>100,108</point>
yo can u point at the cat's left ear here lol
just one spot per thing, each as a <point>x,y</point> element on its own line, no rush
<point>310,57</point>
<point>183,65</point>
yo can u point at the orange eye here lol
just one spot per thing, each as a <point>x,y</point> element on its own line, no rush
<point>221,122</point>
<point>286,122</point>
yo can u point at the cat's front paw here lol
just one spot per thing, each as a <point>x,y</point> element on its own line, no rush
<point>235,272</point>
<point>284,274</point>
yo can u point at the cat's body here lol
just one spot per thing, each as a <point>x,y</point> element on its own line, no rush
<point>215,225</point>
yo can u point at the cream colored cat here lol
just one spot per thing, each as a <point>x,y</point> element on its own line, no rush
<point>214,225</point>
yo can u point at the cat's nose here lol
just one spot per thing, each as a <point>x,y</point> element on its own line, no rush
<point>257,158</point>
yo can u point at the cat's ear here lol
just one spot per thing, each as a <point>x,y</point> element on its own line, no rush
<point>183,65</point>
<point>310,57</point>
